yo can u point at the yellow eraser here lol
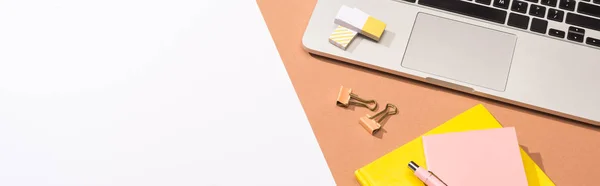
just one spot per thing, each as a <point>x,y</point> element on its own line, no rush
<point>342,37</point>
<point>373,28</point>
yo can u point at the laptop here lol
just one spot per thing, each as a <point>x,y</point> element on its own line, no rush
<point>539,54</point>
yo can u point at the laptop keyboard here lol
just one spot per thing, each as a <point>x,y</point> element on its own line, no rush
<point>531,15</point>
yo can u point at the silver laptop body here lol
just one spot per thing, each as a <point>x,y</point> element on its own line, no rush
<point>469,46</point>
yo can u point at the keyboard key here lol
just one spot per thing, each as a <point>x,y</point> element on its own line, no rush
<point>551,3</point>
<point>597,1</point>
<point>533,1</point>
<point>538,11</point>
<point>486,2</point>
<point>588,9</point>
<point>577,30</point>
<point>468,9</point>
<point>412,1</point>
<point>567,4</point>
<point>575,37</point>
<point>592,41</point>
<point>519,21</point>
<point>556,15</point>
<point>519,6</point>
<point>556,33</point>
<point>575,34</point>
<point>539,26</point>
<point>586,0</point>
<point>502,3</point>
<point>583,21</point>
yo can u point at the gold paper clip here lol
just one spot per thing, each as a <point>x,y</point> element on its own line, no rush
<point>368,122</point>
<point>346,97</point>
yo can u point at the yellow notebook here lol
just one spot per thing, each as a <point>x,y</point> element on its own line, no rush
<point>392,170</point>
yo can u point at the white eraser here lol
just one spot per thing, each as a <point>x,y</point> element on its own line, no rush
<point>351,18</point>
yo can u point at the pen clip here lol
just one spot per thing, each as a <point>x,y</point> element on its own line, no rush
<point>433,174</point>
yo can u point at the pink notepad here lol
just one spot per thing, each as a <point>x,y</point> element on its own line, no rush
<point>475,158</point>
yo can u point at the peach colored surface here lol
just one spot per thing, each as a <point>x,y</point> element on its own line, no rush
<point>567,150</point>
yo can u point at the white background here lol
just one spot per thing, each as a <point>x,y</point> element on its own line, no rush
<point>148,92</point>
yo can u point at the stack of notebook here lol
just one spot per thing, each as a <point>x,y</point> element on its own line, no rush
<point>470,149</point>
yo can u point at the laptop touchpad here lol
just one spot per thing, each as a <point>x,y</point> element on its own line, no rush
<point>460,51</point>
